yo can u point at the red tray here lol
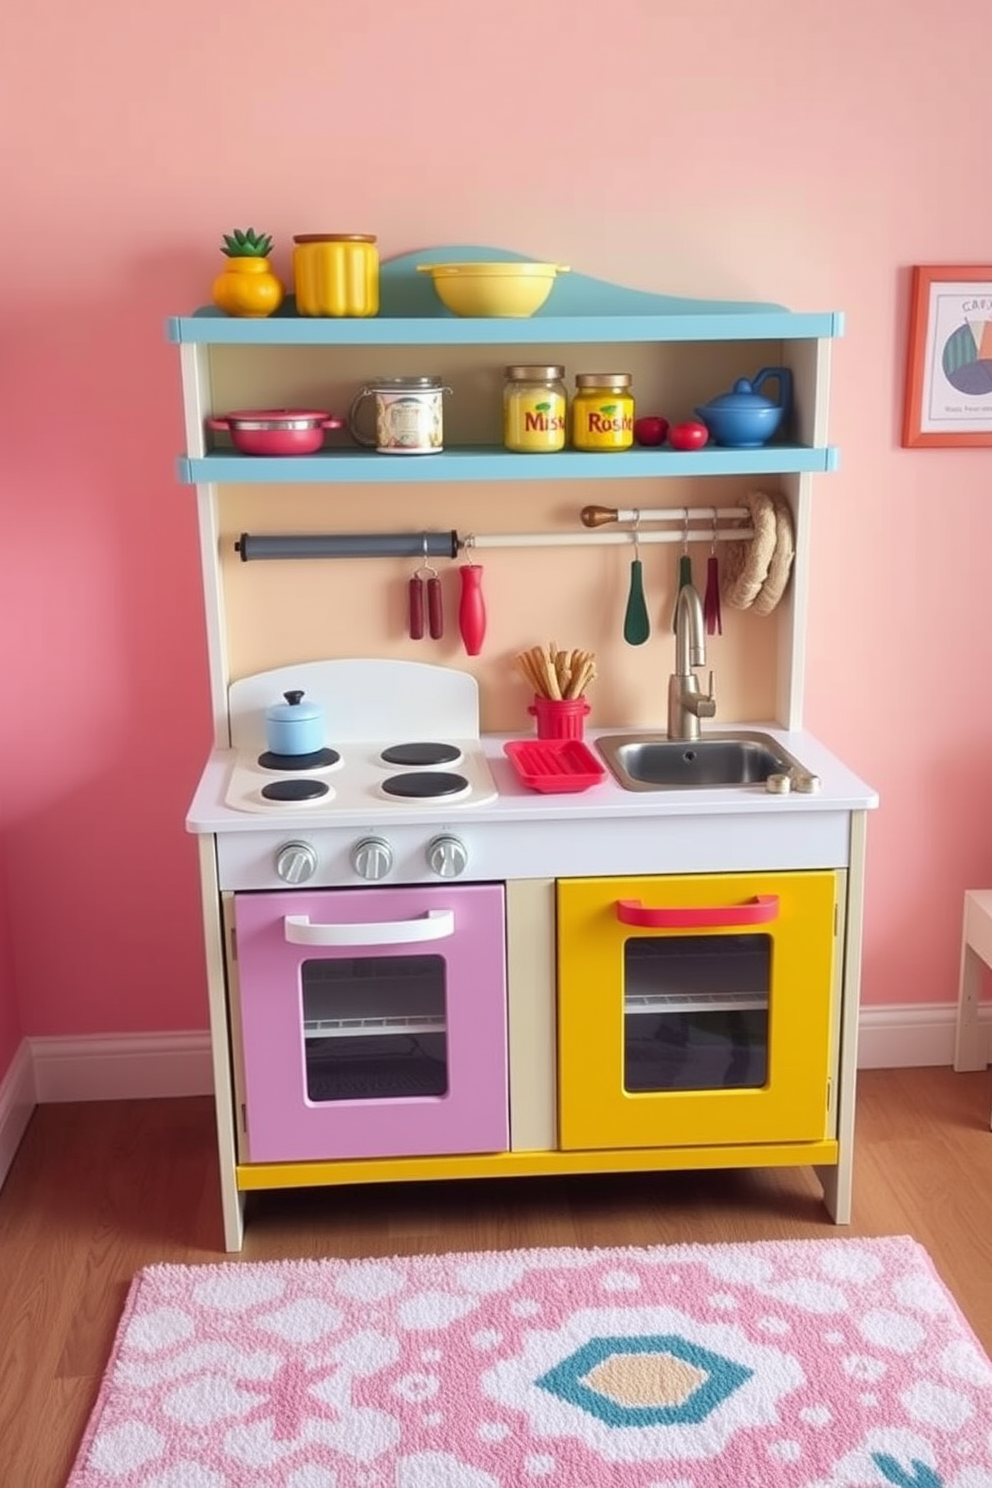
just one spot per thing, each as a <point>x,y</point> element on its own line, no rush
<point>554,764</point>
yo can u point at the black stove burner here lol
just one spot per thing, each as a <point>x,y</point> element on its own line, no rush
<point>294,790</point>
<point>425,785</point>
<point>420,754</point>
<point>314,761</point>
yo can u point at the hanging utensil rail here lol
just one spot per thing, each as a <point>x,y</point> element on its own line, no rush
<point>594,539</point>
<point>600,516</point>
<point>448,544</point>
<point>421,545</point>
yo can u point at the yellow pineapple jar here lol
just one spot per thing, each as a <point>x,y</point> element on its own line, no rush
<point>603,411</point>
<point>247,287</point>
<point>534,409</point>
<point>336,274</point>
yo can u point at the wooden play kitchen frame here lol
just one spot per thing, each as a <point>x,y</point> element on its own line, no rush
<point>565,866</point>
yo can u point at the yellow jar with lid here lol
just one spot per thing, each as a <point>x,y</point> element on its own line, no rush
<point>603,411</point>
<point>535,409</point>
<point>336,274</point>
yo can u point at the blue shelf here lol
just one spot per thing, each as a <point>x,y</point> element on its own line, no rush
<point>579,310</point>
<point>493,463</point>
<point>541,329</point>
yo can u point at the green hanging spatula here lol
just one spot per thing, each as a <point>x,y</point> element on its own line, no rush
<point>636,621</point>
<point>685,572</point>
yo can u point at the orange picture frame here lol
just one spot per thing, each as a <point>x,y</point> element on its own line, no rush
<point>948,399</point>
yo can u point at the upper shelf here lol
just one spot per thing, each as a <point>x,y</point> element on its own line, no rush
<point>580,309</point>
<point>497,464</point>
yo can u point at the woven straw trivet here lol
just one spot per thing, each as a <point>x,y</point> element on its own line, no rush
<point>781,561</point>
<point>744,566</point>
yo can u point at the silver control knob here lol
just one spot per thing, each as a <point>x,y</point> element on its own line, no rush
<point>447,856</point>
<point>372,858</point>
<point>296,862</point>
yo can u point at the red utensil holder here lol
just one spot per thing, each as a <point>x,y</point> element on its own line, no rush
<point>563,718</point>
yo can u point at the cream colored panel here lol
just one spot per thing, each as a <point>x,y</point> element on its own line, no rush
<point>279,612</point>
<point>235,1026</point>
<point>530,919</point>
<point>670,380</point>
<point>232,1202</point>
<point>837,1001</point>
<point>284,611</point>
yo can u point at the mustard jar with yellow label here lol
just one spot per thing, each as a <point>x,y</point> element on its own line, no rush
<point>535,409</point>
<point>603,411</point>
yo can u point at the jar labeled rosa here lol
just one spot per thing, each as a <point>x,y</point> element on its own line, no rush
<point>603,411</point>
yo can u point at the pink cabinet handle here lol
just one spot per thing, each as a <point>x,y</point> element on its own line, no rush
<point>756,911</point>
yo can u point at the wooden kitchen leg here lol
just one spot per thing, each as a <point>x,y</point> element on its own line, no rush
<point>838,1182</point>
<point>232,1200</point>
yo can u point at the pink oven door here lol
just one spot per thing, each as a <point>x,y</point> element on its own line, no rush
<point>373,1022</point>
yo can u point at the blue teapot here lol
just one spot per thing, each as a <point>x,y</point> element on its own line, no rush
<point>742,418</point>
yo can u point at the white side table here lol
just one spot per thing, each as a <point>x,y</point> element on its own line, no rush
<point>970,1040</point>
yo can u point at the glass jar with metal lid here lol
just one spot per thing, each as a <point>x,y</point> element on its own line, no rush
<point>408,415</point>
<point>535,409</point>
<point>603,411</point>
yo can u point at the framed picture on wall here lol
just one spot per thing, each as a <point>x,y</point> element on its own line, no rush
<point>949,363</point>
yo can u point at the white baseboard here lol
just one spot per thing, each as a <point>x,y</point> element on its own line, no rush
<point>18,1099</point>
<point>912,1035</point>
<point>123,1067</point>
<point>132,1066</point>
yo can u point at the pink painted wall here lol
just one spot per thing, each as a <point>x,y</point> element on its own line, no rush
<point>775,151</point>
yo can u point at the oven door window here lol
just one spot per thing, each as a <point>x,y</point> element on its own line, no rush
<point>696,1012</point>
<point>374,1027</point>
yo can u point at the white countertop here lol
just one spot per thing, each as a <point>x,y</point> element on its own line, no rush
<point>840,791</point>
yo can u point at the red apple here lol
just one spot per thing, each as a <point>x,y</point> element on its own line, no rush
<point>650,430</point>
<point>688,436</point>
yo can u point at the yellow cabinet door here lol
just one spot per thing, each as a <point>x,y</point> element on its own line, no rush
<point>694,1010</point>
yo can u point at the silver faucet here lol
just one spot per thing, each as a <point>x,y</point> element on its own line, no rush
<point>686,704</point>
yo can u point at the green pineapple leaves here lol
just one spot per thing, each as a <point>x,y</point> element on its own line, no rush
<point>247,243</point>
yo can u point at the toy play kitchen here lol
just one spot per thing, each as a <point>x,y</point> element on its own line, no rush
<point>467,911</point>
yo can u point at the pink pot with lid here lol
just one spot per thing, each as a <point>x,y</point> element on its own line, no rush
<point>276,431</point>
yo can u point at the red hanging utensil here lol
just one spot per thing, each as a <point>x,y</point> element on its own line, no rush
<point>471,608</point>
<point>424,592</point>
<point>435,608</point>
<point>415,607</point>
<point>712,617</point>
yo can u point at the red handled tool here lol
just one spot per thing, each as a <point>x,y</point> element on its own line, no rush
<point>472,608</point>
<point>424,597</point>
<point>712,617</point>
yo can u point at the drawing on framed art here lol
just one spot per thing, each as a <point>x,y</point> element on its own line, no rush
<point>948,399</point>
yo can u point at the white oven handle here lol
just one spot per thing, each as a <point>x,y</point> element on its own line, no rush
<point>436,924</point>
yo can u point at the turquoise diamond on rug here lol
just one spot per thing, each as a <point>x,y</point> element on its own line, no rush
<point>645,1381</point>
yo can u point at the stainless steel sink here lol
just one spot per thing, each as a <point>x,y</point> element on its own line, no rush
<point>651,762</point>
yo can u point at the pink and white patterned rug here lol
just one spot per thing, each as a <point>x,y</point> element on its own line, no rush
<point>839,1363</point>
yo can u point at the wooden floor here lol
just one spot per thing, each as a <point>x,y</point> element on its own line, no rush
<point>97,1191</point>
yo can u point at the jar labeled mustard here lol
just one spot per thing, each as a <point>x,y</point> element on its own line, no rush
<point>603,411</point>
<point>336,274</point>
<point>535,407</point>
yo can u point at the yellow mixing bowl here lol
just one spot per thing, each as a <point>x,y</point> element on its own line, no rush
<point>510,289</point>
